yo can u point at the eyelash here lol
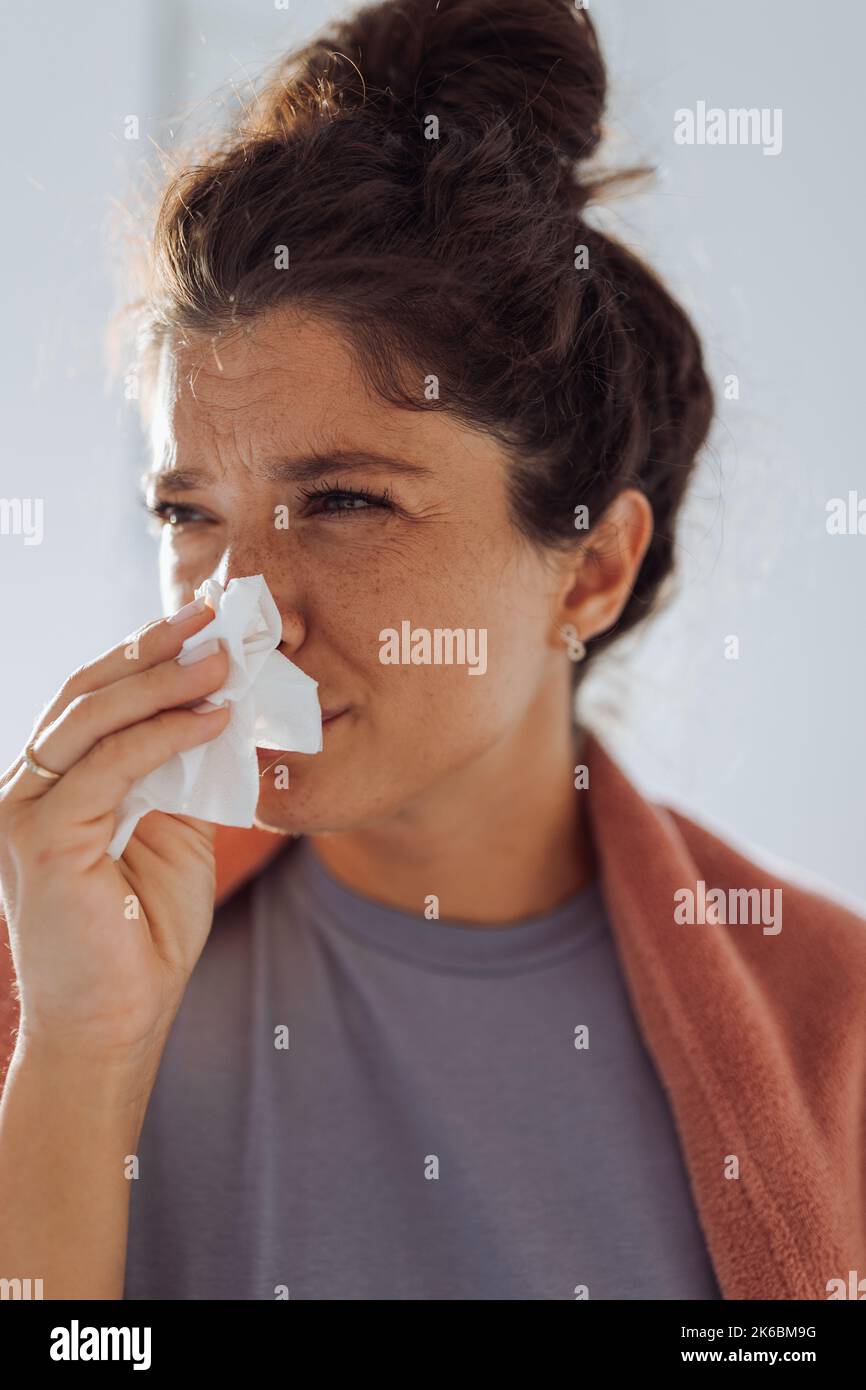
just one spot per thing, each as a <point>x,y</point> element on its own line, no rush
<point>375,500</point>
<point>163,509</point>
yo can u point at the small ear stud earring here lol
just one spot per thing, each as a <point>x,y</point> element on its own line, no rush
<point>576,648</point>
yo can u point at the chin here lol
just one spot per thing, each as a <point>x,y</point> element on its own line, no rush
<point>299,809</point>
<point>325,795</point>
<point>295,804</point>
<point>319,797</point>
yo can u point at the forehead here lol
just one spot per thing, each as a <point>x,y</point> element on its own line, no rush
<point>289,382</point>
<point>272,369</point>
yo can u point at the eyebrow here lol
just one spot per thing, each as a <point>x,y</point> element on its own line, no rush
<point>302,469</point>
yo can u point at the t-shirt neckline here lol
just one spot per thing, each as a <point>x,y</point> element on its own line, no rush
<point>449,944</point>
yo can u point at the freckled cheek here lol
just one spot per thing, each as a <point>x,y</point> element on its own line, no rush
<point>349,596</point>
<point>363,584</point>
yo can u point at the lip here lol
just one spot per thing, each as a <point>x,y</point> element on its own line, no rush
<point>330,715</point>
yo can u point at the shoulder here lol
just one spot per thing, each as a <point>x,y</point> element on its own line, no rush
<point>818,955</point>
<point>735,857</point>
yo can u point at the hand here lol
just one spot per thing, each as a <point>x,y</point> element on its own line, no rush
<point>102,949</point>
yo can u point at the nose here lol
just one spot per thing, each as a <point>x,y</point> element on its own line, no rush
<point>239,563</point>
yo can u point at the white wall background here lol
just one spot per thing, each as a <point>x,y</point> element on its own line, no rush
<point>766,252</point>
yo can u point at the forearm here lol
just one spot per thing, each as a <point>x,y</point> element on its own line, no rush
<point>67,1130</point>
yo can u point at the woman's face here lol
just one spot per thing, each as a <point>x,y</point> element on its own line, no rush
<point>361,517</point>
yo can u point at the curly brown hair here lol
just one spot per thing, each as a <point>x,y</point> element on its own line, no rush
<point>423,166</point>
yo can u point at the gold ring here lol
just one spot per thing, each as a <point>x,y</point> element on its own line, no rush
<point>38,768</point>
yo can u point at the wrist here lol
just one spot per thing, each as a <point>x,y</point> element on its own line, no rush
<point>94,1083</point>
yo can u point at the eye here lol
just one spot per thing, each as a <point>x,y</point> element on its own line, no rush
<point>328,500</point>
<point>174,514</point>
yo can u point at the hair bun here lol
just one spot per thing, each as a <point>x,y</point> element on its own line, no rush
<point>535,60</point>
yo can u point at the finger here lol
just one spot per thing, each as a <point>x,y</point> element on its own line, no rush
<point>131,701</point>
<point>157,641</point>
<point>98,783</point>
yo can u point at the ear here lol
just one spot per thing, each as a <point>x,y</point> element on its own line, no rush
<point>602,574</point>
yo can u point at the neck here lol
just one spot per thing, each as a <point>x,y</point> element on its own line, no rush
<point>501,840</point>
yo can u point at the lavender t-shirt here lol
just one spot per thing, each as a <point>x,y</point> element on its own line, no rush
<point>359,1103</point>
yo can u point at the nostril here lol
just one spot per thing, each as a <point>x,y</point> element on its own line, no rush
<point>294,632</point>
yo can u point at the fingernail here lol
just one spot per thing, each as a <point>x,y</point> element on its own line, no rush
<point>198,653</point>
<point>206,707</point>
<point>198,605</point>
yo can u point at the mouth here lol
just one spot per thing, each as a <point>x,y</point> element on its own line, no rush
<point>330,715</point>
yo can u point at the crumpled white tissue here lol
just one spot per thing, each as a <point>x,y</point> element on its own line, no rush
<point>275,705</point>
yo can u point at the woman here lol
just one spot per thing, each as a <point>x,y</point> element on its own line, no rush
<point>478,1021</point>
